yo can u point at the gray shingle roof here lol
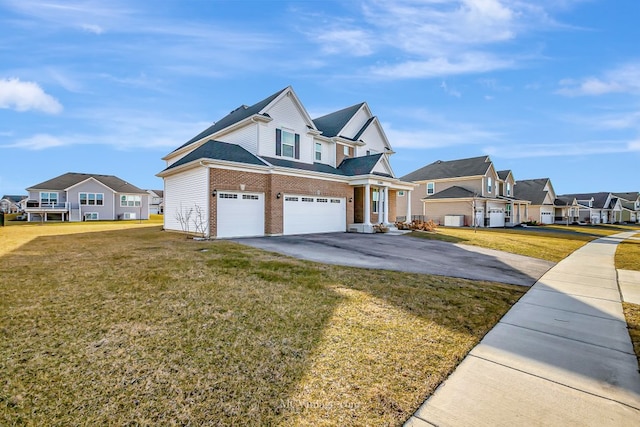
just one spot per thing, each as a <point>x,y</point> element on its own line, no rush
<point>599,199</point>
<point>69,179</point>
<point>14,199</point>
<point>439,169</point>
<point>629,195</point>
<point>313,167</point>
<point>359,165</point>
<point>233,117</point>
<point>332,123</point>
<point>454,192</point>
<point>503,174</point>
<point>217,150</point>
<point>531,190</point>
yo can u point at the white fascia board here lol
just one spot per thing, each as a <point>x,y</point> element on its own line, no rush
<point>349,142</point>
<point>291,93</point>
<point>89,179</point>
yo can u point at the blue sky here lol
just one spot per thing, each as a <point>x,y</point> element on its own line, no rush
<point>547,88</point>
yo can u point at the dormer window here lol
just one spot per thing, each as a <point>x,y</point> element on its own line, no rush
<point>508,189</point>
<point>287,144</point>
<point>346,151</point>
<point>318,151</point>
<point>489,184</point>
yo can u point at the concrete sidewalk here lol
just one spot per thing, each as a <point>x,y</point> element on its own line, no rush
<point>561,356</point>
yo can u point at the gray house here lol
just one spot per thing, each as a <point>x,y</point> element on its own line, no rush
<point>86,197</point>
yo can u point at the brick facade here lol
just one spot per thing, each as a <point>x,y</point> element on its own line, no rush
<point>271,185</point>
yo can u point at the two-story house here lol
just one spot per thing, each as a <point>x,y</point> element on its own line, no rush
<point>156,204</point>
<point>465,192</point>
<point>597,208</point>
<point>269,169</point>
<point>630,204</point>
<point>13,204</point>
<point>546,207</point>
<point>86,197</point>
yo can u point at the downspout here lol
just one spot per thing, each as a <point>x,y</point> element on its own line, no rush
<point>208,232</point>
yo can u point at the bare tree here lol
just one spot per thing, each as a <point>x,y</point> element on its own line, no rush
<point>183,216</point>
<point>200,221</point>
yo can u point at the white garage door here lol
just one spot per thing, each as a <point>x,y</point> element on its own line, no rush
<point>305,214</point>
<point>546,217</point>
<point>496,217</point>
<point>240,214</point>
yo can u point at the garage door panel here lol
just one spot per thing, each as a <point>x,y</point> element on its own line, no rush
<point>306,214</point>
<point>496,217</point>
<point>240,214</point>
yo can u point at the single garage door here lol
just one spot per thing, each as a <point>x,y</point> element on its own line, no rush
<point>496,217</point>
<point>546,217</point>
<point>240,214</point>
<point>306,214</point>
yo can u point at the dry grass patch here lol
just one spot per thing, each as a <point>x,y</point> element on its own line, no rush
<point>551,243</point>
<point>632,314</point>
<point>139,326</point>
<point>628,254</point>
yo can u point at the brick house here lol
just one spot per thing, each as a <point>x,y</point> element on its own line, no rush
<point>269,169</point>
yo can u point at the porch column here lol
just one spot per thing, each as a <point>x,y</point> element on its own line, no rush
<point>408,206</point>
<point>367,205</point>
<point>385,210</point>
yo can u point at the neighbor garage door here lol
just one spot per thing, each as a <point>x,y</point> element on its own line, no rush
<point>546,217</point>
<point>240,214</point>
<point>496,217</point>
<point>305,214</point>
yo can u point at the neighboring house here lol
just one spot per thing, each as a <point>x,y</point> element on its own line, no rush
<point>269,169</point>
<point>630,204</point>
<point>546,207</point>
<point>86,197</point>
<point>465,192</point>
<point>597,208</point>
<point>12,204</point>
<point>156,204</point>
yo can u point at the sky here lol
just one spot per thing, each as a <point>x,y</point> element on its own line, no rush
<point>546,88</point>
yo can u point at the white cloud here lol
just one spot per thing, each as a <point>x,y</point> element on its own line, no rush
<point>92,28</point>
<point>354,42</point>
<point>590,148</point>
<point>634,145</point>
<point>445,135</point>
<point>623,79</point>
<point>441,66</point>
<point>25,96</point>
<point>39,142</point>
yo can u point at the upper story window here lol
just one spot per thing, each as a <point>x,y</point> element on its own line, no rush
<point>287,144</point>
<point>48,198</point>
<point>318,152</point>
<point>431,188</point>
<point>92,199</point>
<point>508,189</point>
<point>489,184</point>
<point>130,200</point>
<point>346,151</point>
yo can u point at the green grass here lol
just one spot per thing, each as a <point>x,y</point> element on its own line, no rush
<point>632,314</point>
<point>136,326</point>
<point>551,243</point>
<point>628,254</point>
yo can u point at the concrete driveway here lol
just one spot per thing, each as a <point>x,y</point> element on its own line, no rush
<point>410,254</point>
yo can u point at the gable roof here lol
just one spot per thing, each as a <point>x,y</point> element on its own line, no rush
<point>237,115</point>
<point>503,175</point>
<point>629,195</point>
<point>359,165</point>
<point>439,169</point>
<point>599,199</point>
<point>454,192</point>
<point>332,123</point>
<point>14,199</point>
<point>217,150</point>
<point>69,179</point>
<point>532,190</point>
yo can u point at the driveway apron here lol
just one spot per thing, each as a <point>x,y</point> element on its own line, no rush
<point>561,356</point>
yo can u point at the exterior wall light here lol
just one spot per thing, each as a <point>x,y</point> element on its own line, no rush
<point>215,192</point>
<point>278,195</point>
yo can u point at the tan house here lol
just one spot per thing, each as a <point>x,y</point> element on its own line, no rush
<point>465,192</point>
<point>269,169</point>
<point>546,207</point>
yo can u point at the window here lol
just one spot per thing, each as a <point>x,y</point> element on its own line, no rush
<point>318,151</point>
<point>508,189</point>
<point>287,144</point>
<point>48,199</point>
<point>335,200</point>
<point>508,210</point>
<point>376,198</point>
<point>307,199</point>
<point>130,200</point>
<point>322,200</point>
<point>431,188</point>
<point>92,199</point>
<point>250,197</point>
<point>227,196</point>
<point>291,199</point>
<point>401,193</point>
<point>91,216</point>
<point>345,151</point>
<point>489,184</point>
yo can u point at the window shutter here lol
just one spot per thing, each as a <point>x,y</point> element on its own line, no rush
<point>297,148</point>
<point>278,142</point>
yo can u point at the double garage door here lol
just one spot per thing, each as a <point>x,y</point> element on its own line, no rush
<point>243,214</point>
<point>306,214</point>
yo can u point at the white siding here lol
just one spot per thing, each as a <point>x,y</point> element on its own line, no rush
<point>356,123</point>
<point>185,190</point>
<point>246,137</point>
<point>374,139</point>
<point>286,115</point>
<point>380,168</point>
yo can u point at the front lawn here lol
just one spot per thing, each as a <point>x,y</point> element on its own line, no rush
<point>137,326</point>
